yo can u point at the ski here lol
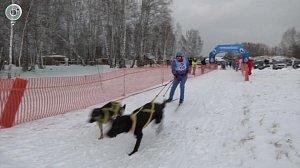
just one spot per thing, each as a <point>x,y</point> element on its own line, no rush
<point>173,100</point>
<point>178,107</point>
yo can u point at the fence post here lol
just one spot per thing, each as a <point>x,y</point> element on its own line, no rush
<point>12,105</point>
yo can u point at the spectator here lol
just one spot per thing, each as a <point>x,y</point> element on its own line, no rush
<point>203,65</point>
<point>203,61</point>
<point>190,63</point>
<point>194,65</point>
<point>237,64</point>
<point>250,63</point>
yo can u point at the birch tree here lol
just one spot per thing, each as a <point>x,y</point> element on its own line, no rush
<point>23,32</point>
<point>290,43</point>
<point>194,43</point>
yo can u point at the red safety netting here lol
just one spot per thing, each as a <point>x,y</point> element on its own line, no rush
<point>49,96</point>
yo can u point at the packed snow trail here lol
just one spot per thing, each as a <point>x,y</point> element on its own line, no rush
<point>224,122</point>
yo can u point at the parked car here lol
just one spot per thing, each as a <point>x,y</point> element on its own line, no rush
<point>296,64</point>
<point>259,64</point>
<point>279,64</point>
<point>289,62</point>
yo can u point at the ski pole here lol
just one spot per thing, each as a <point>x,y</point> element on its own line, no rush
<point>167,89</point>
<point>162,90</point>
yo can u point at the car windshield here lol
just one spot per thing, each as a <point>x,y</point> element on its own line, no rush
<point>279,62</point>
<point>297,62</point>
<point>258,62</point>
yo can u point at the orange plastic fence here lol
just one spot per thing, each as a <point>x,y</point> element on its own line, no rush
<point>49,96</point>
<point>13,102</point>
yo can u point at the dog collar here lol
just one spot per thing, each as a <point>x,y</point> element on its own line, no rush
<point>115,107</point>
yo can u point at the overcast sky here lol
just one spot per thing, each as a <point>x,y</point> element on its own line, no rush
<point>236,21</point>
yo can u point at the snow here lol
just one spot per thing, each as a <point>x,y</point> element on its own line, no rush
<point>56,71</point>
<point>225,122</point>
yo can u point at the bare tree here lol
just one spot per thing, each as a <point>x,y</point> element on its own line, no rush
<point>290,43</point>
<point>23,33</point>
<point>194,43</point>
<point>87,30</point>
<point>153,13</point>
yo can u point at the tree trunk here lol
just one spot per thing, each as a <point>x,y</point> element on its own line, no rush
<point>133,63</point>
<point>122,60</point>
<point>23,33</point>
<point>41,61</point>
<point>165,45</point>
<point>71,47</point>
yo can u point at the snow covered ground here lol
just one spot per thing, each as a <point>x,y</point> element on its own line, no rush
<point>225,122</point>
<point>56,71</point>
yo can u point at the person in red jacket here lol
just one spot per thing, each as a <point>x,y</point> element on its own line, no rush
<point>250,63</point>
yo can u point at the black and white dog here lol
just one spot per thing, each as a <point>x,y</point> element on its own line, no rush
<point>106,114</point>
<point>137,120</point>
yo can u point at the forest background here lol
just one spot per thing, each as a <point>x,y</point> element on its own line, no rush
<point>90,31</point>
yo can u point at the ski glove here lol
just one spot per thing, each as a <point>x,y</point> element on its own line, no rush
<point>177,77</point>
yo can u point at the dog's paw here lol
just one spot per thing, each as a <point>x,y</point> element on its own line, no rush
<point>132,153</point>
<point>159,129</point>
<point>101,137</point>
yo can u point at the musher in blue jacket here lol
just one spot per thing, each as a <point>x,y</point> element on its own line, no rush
<point>180,69</point>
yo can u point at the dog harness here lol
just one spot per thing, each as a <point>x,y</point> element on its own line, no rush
<point>133,116</point>
<point>115,107</point>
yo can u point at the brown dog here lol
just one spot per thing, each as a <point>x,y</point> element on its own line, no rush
<point>106,114</point>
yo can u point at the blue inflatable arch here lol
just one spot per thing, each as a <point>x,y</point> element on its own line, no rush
<point>236,48</point>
